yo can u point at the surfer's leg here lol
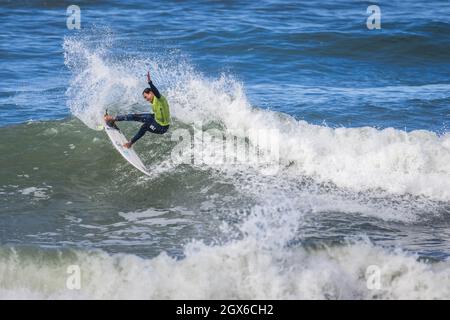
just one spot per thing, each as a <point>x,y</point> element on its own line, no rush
<point>140,117</point>
<point>159,129</point>
<point>124,117</point>
<point>144,128</point>
<point>155,127</point>
<point>149,125</point>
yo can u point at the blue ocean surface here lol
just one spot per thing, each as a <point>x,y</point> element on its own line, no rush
<point>363,165</point>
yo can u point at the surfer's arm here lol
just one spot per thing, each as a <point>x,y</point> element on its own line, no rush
<point>154,89</point>
<point>152,86</point>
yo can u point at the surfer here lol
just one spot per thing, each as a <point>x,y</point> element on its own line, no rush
<point>157,122</point>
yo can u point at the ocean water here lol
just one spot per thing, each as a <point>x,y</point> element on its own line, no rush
<point>362,179</point>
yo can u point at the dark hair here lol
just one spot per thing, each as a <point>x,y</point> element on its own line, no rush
<point>147,90</point>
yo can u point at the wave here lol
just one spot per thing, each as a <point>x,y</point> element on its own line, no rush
<point>238,270</point>
<point>360,159</point>
<point>260,233</point>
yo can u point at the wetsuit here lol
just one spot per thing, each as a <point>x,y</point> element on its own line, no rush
<point>156,122</point>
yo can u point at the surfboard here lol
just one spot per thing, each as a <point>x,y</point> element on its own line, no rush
<point>118,140</point>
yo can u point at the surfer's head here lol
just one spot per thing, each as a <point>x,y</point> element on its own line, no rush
<point>148,94</point>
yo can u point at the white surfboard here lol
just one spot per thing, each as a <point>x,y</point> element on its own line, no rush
<point>118,140</point>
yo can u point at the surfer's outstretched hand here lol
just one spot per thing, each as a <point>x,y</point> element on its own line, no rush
<point>148,77</point>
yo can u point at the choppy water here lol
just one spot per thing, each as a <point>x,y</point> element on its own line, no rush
<point>363,165</point>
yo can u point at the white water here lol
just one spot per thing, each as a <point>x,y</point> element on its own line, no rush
<point>239,270</point>
<point>387,163</point>
<point>359,159</point>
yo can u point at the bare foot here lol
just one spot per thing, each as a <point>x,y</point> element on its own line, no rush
<point>127,145</point>
<point>109,118</point>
